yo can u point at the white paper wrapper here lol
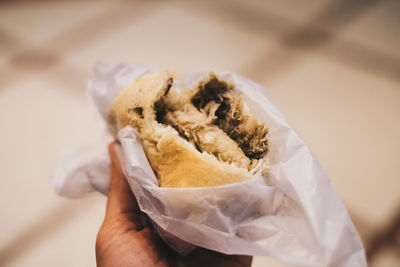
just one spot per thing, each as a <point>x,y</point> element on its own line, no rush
<point>293,213</point>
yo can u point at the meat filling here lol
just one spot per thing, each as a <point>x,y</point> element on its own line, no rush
<point>213,119</point>
<point>219,99</point>
<point>197,128</point>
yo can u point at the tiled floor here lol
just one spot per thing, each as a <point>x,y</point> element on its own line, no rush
<point>331,67</point>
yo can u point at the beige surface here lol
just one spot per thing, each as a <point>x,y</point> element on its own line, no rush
<point>352,129</point>
<point>331,67</point>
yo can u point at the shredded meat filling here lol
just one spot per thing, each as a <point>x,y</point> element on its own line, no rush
<point>197,128</point>
<point>213,119</point>
<point>248,132</point>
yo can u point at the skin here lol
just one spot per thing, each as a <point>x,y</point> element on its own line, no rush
<point>123,240</point>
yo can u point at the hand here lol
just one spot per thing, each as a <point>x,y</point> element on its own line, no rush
<point>123,240</point>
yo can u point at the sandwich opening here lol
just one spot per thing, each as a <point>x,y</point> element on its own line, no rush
<point>198,129</point>
<point>214,121</point>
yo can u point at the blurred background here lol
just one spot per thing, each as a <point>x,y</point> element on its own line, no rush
<point>331,67</point>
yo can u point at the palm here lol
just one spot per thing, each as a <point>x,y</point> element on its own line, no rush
<point>130,246</point>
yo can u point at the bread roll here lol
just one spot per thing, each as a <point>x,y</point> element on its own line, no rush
<point>197,138</point>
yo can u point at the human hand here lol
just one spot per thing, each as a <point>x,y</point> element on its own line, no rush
<point>123,240</point>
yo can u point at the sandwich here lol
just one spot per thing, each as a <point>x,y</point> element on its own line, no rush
<point>201,137</point>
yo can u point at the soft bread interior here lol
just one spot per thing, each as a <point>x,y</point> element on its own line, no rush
<point>186,136</point>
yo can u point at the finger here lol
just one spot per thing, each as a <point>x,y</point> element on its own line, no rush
<point>205,257</point>
<point>121,200</point>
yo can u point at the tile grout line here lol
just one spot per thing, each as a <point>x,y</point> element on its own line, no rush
<point>293,42</point>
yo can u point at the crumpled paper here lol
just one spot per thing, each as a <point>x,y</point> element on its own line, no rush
<point>293,213</point>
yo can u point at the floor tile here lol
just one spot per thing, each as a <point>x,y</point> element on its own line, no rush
<point>36,22</point>
<point>377,29</point>
<point>289,10</point>
<point>71,243</point>
<point>193,43</point>
<point>40,119</point>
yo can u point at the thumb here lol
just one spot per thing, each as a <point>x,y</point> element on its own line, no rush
<point>121,201</point>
